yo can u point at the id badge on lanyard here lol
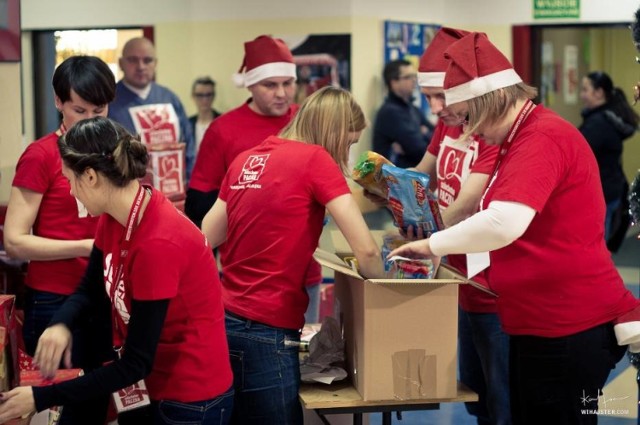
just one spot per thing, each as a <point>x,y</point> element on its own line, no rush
<point>134,396</point>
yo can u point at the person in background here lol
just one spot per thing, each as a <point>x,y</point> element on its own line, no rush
<point>269,73</point>
<point>203,93</point>
<point>293,177</point>
<point>401,132</point>
<point>635,36</point>
<point>163,289</point>
<point>607,121</point>
<point>460,166</point>
<point>558,289</point>
<point>51,229</point>
<point>137,88</point>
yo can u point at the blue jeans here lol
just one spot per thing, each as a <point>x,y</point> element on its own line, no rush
<point>266,373</point>
<point>484,365</point>
<point>216,411</point>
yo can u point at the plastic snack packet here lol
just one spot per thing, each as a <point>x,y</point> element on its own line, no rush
<point>404,268</point>
<point>368,173</point>
<point>410,200</point>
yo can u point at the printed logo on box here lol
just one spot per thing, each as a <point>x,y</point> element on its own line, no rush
<point>167,169</point>
<point>131,397</point>
<point>156,123</point>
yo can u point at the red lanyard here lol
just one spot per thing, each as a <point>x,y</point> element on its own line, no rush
<point>506,145</point>
<point>132,224</point>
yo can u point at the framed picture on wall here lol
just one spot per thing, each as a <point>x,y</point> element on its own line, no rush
<point>10,31</point>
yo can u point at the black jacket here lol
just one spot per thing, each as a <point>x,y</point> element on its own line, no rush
<point>400,121</point>
<point>605,131</point>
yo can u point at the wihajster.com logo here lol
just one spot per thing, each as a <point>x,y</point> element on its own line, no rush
<point>606,404</point>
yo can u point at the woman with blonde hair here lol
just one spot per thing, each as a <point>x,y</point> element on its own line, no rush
<point>542,219</point>
<point>267,221</point>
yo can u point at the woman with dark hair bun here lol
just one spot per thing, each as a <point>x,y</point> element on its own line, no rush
<point>48,227</point>
<point>161,278</point>
<point>608,120</point>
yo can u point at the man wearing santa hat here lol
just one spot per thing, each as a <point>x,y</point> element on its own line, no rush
<point>541,228</point>
<point>462,165</point>
<point>268,72</point>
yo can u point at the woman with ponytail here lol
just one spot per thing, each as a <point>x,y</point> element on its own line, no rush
<point>156,271</point>
<point>608,120</point>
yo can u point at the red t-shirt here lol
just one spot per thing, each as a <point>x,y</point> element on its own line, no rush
<point>40,169</point>
<point>228,135</point>
<point>169,258</point>
<point>558,278</point>
<point>276,195</point>
<point>457,157</point>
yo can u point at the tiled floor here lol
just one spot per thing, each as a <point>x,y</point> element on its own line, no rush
<point>621,389</point>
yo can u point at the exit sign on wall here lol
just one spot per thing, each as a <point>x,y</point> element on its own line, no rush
<point>556,9</point>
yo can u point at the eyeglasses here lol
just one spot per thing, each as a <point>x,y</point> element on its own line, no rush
<point>408,77</point>
<point>204,95</point>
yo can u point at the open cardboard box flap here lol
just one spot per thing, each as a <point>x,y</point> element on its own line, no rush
<point>445,274</point>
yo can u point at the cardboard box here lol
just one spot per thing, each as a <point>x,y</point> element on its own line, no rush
<point>166,171</point>
<point>8,341</point>
<point>400,335</point>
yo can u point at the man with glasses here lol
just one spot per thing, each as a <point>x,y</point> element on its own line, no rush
<point>203,92</point>
<point>146,108</point>
<point>401,131</point>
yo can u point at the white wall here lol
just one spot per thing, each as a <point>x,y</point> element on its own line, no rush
<point>45,14</point>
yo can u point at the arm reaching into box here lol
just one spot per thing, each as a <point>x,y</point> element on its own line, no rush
<point>491,229</point>
<point>347,216</point>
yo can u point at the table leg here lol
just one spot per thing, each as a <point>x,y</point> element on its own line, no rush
<point>386,418</point>
<point>357,419</point>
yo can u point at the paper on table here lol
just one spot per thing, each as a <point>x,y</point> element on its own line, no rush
<point>477,262</point>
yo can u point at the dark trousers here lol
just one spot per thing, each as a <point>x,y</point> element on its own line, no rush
<point>91,347</point>
<point>559,380</point>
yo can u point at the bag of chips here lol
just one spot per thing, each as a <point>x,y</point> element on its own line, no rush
<point>410,200</point>
<point>368,173</point>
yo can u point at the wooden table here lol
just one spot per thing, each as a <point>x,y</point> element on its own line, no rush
<point>343,398</point>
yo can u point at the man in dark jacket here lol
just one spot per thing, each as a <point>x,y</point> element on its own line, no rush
<point>401,131</point>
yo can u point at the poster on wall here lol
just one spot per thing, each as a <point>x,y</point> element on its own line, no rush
<point>406,40</point>
<point>548,77</point>
<point>320,60</point>
<point>570,86</point>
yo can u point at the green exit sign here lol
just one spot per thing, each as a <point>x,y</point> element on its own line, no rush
<point>556,9</point>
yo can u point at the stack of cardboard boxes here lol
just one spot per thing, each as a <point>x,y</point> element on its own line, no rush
<point>159,129</point>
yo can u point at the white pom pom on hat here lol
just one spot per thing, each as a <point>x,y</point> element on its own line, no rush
<point>264,57</point>
<point>476,67</point>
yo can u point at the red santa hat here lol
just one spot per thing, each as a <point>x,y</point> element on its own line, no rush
<point>264,57</point>
<point>476,67</point>
<point>433,63</point>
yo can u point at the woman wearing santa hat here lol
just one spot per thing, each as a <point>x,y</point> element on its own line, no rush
<point>269,215</point>
<point>541,229</point>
